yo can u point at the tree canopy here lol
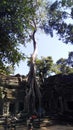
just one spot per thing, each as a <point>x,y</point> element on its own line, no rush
<point>14,20</point>
<point>60,19</point>
<point>19,18</point>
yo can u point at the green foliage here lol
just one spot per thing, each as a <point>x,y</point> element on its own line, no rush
<point>15,19</point>
<point>43,66</point>
<point>63,67</point>
<point>67,3</point>
<point>19,18</point>
<point>58,14</point>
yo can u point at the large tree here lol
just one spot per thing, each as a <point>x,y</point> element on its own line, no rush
<point>34,91</point>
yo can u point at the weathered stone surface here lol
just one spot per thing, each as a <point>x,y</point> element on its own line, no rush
<point>58,93</point>
<point>13,93</point>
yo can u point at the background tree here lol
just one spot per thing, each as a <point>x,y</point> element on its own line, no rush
<point>63,67</point>
<point>43,67</point>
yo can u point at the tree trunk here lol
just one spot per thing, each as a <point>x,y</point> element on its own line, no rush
<point>34,91</point>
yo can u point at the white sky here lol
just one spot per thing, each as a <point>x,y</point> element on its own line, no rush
<point>47,46</point>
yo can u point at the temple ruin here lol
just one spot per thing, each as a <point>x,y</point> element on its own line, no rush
<point>57,94</point>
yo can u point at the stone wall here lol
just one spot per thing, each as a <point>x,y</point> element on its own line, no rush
<point>58,94</point>
<point>12,94</point>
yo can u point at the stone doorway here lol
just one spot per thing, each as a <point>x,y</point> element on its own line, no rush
<point>12,108</point>
<point>21,106</point>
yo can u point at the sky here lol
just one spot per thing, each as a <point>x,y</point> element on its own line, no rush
<point>47,46</point>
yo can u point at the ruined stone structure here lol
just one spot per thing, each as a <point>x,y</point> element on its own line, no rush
<point>12,93</point>
<point>58,94</point>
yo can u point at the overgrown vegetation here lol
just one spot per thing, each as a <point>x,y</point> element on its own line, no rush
<point>19,22</point>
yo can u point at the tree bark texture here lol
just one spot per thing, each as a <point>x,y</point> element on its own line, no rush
<point>34,91</point>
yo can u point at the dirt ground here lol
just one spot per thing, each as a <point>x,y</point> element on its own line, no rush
<point>48,124</point>
<point>55,127</point>
<point>51,125</point>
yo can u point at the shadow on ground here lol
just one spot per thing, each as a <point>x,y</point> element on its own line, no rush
<point>53,120</point>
